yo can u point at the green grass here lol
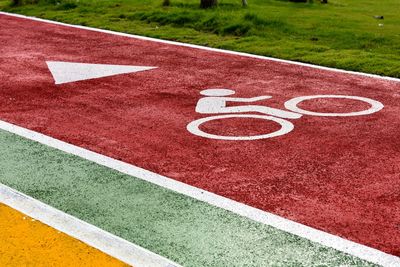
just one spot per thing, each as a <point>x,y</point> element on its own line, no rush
<point>342,34</point>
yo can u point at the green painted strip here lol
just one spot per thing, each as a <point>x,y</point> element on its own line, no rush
<point>182,229</point>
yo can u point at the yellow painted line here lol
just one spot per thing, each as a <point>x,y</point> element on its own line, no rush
<point>25,241</point>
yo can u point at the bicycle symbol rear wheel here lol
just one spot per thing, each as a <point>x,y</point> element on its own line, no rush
<point>194,127</point>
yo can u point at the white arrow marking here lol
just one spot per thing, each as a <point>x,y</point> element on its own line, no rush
<point>66,72</point>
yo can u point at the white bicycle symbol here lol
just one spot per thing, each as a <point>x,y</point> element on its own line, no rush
<point>216,99</point>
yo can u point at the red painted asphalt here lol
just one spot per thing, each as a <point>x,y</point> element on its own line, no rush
<point>338,174</point>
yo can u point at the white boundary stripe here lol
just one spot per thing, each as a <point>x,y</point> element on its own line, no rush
<point>326,239</point>
<point>87,233</point>
<point>203,47</point>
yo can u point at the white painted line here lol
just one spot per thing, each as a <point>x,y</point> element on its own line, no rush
<point>326,239</point>
<point>87,233</point>
<point>203,47</point>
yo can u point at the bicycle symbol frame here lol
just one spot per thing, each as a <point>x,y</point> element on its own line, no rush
<point>276,115</point>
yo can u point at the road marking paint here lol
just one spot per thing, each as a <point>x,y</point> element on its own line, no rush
<point>318,236</point>
<point>87,233</point>
<point>375,105</point>
<point>203,47</point>
<point>194,127</point>
<point>216,100</point>
<point>28,242</point>
<point>66,72</point>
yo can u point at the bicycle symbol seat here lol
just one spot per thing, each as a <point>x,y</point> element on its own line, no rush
<point>215,102</point>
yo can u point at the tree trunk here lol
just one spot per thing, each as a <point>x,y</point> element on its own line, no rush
<point>208,3</point>
<point>244,2</point>
<point>16,2</point>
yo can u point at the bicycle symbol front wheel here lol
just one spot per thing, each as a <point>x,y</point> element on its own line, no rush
<point>292,105</point>
<point>194,127</point>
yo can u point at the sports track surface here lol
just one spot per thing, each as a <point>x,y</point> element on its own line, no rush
<point>115,153</point>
